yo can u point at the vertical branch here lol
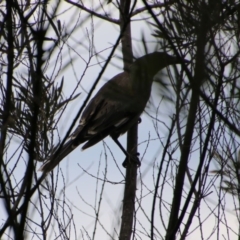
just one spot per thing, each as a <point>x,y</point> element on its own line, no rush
<point>39,36</point>
<point>131,170</point>
<point>6,115</point>
<point>125,27</point>
<point>185,151</point>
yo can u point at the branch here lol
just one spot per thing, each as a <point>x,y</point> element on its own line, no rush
<point>94,13</point>
<point>157,5</point>
<point>132,135</point>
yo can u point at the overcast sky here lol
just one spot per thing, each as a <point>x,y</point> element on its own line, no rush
<point>73,166</point>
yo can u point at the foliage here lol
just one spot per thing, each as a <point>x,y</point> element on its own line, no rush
<point>188,184</point>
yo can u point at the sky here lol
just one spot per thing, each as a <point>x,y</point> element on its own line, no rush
<point>83,171</point>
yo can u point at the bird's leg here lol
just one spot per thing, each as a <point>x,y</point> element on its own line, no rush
<point>129,157</point>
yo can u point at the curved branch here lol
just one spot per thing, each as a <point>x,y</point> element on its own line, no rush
<point>94,13</point>
<point>152,6</point>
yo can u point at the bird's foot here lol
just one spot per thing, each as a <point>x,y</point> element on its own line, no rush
<point>132,159</point>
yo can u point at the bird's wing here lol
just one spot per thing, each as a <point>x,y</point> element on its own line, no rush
<point>113,106</point>
<point>102,115</point>
<point>112,119</point>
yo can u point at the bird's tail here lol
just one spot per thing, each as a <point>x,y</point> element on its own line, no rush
<point>57,156</point>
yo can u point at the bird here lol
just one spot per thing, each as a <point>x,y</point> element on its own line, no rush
<point>116,107</point>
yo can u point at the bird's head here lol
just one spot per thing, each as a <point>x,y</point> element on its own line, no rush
<point>150,64</point>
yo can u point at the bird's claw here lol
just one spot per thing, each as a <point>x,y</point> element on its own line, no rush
<point>132,159</point>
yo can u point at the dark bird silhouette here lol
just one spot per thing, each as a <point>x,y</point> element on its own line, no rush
<point>116,107</point>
